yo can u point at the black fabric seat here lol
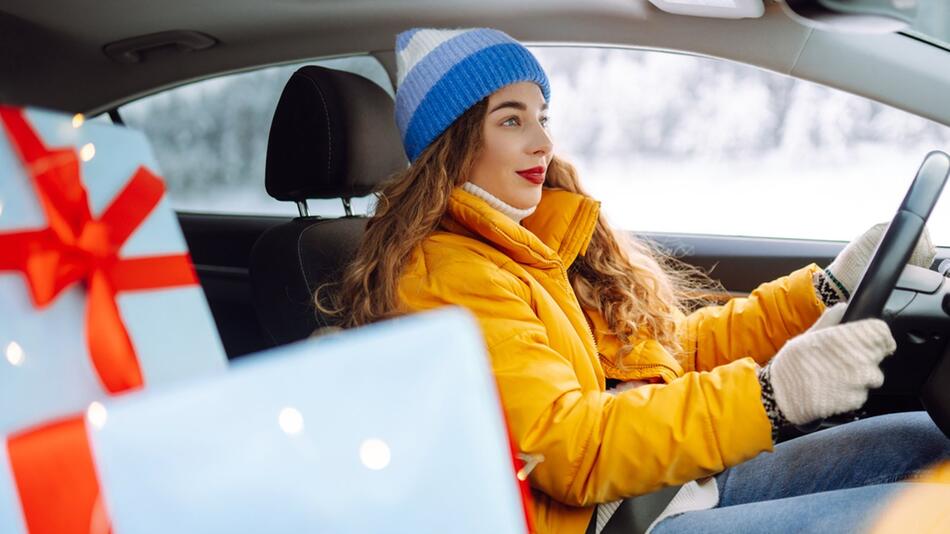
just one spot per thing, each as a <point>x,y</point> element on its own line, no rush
<point>333,136</point>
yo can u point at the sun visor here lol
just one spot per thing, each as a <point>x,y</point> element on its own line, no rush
<point>724,9</point>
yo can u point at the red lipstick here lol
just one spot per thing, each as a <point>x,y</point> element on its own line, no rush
<point>534,175</point>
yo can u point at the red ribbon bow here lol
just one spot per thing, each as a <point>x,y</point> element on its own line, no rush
<point>75,247</point>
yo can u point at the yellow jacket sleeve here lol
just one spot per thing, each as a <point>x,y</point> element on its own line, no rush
<point>755,326</point>
<point>598,447</point>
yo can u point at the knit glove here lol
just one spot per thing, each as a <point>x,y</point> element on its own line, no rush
<point>826,370</point>
<point>837,281</point>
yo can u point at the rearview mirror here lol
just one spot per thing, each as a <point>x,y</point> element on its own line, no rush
<point>855,16</point>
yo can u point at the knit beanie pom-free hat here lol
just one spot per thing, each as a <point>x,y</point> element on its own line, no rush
<point>441,73</point>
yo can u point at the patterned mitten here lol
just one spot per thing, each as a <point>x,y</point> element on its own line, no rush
<point>837,281</point>
<point>826,370</point>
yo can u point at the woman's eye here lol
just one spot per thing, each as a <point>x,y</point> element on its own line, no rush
<point>509,120</point>
<point>544,121</point>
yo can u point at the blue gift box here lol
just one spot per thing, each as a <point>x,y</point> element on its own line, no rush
<point>393,427</point>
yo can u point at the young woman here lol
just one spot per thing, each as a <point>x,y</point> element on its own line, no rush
<point>489,218</point>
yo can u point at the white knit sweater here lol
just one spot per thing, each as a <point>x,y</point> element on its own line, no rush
<point>515,214</point>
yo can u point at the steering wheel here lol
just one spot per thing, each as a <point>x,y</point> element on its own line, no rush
<point>869,298</point>
<point>897,245</point>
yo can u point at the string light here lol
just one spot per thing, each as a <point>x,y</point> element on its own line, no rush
<point>78,119</point>
<point>96,414</point>
<point>374,453</point>
<point>87,152</point>
<point>14,353</point>
<point>290,420</point>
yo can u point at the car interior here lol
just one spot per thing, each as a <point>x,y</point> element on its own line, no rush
<point>333,137</point>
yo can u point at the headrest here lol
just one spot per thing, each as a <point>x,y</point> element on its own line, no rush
<point>333,136</point>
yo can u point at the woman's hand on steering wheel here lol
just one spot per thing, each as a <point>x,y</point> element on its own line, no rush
<point>837,281</point>
<point>828,369</point>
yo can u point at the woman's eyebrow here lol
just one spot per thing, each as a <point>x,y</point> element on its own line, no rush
<point>515,104</point>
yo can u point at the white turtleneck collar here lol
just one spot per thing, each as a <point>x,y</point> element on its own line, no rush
<point>513,213</point>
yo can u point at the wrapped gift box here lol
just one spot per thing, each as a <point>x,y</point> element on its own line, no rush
<point>99,295</point>
<point>394,427</point>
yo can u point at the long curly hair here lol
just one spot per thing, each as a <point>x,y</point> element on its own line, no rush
<point>637,286</point>
<point>634,285</point>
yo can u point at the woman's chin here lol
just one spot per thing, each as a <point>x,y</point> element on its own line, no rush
<point>522,197</point>
<point>524,203</point>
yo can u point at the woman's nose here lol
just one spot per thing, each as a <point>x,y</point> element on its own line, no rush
<point>542,142</point>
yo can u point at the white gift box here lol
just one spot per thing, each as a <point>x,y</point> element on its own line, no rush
<point>45,366</point>
<point>394,427</point>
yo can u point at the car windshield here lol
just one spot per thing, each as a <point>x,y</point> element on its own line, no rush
<point>932,23</point>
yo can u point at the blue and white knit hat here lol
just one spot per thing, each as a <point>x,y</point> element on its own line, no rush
<point>443,72</point>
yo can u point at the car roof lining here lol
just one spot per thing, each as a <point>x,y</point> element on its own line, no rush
<point>54,52</point>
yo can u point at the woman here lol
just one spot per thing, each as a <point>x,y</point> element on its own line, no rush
<point>487,217</point>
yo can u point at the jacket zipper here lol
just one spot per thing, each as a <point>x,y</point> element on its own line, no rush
<point>570,289</point>
<point>530,462</point>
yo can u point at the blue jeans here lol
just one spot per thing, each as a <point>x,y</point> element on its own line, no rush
<point>833,480</point>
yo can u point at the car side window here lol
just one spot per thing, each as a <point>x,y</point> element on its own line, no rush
<point>210,138</point>
<point>672,142</point>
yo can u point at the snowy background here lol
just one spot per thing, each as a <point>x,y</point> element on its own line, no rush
<point>668,142</point>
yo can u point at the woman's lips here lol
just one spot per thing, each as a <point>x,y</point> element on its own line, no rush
<point>534,175</point>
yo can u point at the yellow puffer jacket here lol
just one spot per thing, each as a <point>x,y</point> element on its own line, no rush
<point>599,447</point>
